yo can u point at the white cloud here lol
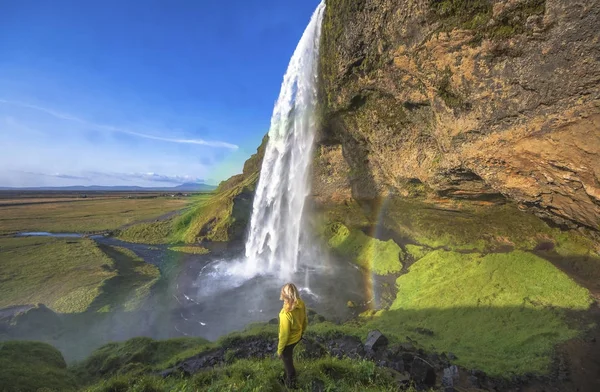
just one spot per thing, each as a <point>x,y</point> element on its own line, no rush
<point>68,117</point>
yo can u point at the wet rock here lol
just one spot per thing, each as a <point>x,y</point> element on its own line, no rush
<point>202,361</point>
<point>312,349</point>
<point>422,372</point>
<point>168,372</point>
<point>474,382</point>
<point>375,340</point>
<point>450,376</point>
<point>346,346</point>
<point>476,378</point>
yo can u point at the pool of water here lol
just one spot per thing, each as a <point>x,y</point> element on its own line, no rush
<point>46,234</point>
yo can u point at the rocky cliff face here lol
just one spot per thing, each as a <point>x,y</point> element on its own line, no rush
<point>459,99</point>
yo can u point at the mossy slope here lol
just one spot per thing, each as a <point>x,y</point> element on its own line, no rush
<point>380,257</point>
<point>32,366</point>
<point>503,313</point>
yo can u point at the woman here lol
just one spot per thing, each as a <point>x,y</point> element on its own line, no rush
<point>292,324</point>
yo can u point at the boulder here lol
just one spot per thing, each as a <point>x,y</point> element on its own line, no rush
<point>450,376</point>
<point>375,340</point>
<point>346,346</point>
<point>422,373</point>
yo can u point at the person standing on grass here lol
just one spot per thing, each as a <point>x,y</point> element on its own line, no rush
<point>292,324</point>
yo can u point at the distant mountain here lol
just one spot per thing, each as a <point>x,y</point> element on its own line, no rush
<point>187,187</point>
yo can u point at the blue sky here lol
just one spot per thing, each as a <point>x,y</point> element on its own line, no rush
<point>139,92</point>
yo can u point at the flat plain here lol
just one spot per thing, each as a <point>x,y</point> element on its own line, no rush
<point>73,275</point>
<point>73,213</point>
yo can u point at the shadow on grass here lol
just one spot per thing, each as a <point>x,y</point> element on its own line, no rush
<point>128,288</point>
<point>500,341</point>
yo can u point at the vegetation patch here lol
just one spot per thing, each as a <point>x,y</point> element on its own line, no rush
<point>137,356</point>
<point>464,226</point>
<point>33,366</point>
<point>416,251</point>
<point>502,313</point>
<point>222,217</point>
<point>265,375</point>
<point>380,257</point>
<point>476,15</point>
<point>65,275</point>
<point>148,233</point>
<point>132,284</point>
<point>87,216</point>
<point>195,250</point>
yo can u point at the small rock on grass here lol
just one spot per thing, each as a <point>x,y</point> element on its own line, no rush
<point>375,340</point>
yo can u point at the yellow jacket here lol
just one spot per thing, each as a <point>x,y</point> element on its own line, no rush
<point>291,326</point>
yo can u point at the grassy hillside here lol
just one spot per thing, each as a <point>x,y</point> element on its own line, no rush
<point>65,275</point>
<point>33,366</point>
<point>72,276</point>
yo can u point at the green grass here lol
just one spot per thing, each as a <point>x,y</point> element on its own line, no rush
<point>84,216</point>
<point>32,366</point>
<point>132,284</point>
<point>502,313</point>
<point>148,233</point>
<point>263,375</point>
<point>416,251</point>
<point>218,218</point>
<point>138,356</point>
<point>380,257</point>
<point>195,250</point>
<point>65,275</point>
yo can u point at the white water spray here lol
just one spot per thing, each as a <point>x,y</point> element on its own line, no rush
<point>274,239</point>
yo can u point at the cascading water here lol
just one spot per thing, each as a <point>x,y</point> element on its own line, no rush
<point>276,226</point>
<point>230,293</point>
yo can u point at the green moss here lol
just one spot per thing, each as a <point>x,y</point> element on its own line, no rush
<point>502,279</point>
<point>451,98</point>
<point>196,250</point>
<point>148,233</point>
<point>465,14</point>
<point>220,218</point>
<point>571,244</point>
<point>502,313</point>
<point>416,251</point>
<point>137,356</point>
<point>31,366</point>
<point>65,275</point>
<point>475,15</point>
<point>464,226</point>
<point>380,257</point>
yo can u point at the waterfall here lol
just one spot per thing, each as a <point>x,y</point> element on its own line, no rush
<point>274,239</point>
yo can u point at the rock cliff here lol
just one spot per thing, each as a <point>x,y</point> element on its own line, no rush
<point>456,99</point>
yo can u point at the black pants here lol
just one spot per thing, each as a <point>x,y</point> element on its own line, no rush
<point>288,363</point>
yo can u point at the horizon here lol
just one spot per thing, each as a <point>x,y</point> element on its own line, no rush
<point>93,97</point>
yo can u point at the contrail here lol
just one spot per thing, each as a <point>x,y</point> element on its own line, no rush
<point>68,117</point>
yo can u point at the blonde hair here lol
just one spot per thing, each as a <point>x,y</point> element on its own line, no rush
<point>289,296</point>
